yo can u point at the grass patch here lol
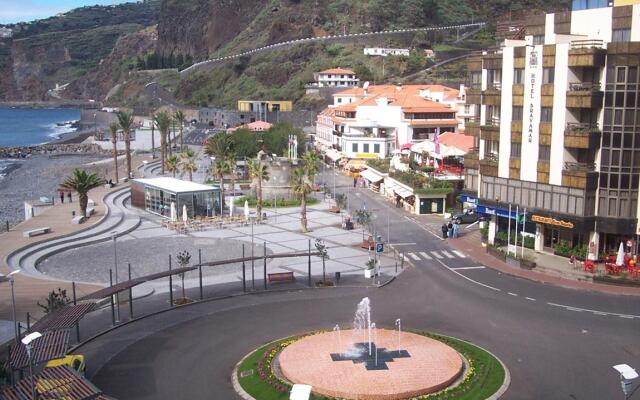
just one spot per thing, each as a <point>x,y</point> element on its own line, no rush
<point>483,378</point>
<point>269,203</point>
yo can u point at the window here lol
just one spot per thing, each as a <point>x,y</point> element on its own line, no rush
<point>548,75</point>
<point>587,4</point>
<point>515,150</point>
<point>476,80</point>
<point>467,108</point>
<point>354,147</point>
<point>376,148</point>
<point>365,148</point>
<point>544,152</point>
<point>516,113</point>
<point>538,39</point>
<point>339,99</point>
<point>518,76</point>
<point>621,35</point>
<point>546,114</point>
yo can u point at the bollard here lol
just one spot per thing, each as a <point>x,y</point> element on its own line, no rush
<point>265,265</point>
<point>130,295</point>
<point>309,274</point>
<point>244,273</point>
<point>113,310</point>
<point>170,283</point>
<point>200,271</point>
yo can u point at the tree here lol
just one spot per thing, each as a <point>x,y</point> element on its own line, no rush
<point>301,186</point>
<point>220,168</point>
<point>363,217</point>
<point>56,300</point>
<point>162,122</point>
<point>173,164</point>
<point>244,143</point>
<point>322,249</point>
<point>219,145</point>
<point>81,181</point>
<point>125,120</point>
<point>113,128</point>
<point>231,160</point>
<point>261,173</point>
<point>153,135</point>
<point>183,258</point>
<point>180,119</point>
<point>188,163</point>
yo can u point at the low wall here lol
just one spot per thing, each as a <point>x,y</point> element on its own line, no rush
<point>25,151</point>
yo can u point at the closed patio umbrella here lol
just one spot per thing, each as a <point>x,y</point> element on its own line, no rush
<point>231,208</point>
<point>174,212</point>
<point>246,209</point>
<point>620,257</point>
<point>185,217</point>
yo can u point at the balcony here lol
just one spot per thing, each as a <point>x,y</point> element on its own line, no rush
<point>474,96</point>
<point>471,159</point>
<point>587,53</point>
<point>516,131</point>
<point>489,165</point>
<point>582,136</point>
<point>472,126</point>
<point>337,133</point>
<point>579,176</point>
<point>492,95</point>
<point>491,129</point>
<point>584,95</point>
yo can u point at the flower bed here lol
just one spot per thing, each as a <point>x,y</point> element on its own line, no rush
<point>269,203</point>
<point>483,377</point>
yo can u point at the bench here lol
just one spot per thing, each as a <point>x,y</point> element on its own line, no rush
<point>281,277</point>
<point>37,231</point>
<point>90,211</point>
<point>77,220</point>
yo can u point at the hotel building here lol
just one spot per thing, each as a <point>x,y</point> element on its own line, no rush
<point>557,127</point>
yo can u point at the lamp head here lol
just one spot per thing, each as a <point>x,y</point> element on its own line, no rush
<point>30,338</point>
<point>626,372</point>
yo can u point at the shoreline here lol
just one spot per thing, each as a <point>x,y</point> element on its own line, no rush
<point>51,104</point>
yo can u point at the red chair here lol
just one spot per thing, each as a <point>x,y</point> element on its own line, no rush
<point>588,266</point>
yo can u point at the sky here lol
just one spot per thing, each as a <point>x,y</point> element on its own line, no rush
<point>12,11</point>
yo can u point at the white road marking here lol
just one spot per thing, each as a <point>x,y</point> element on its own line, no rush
<point>414,256</point>
<point>467,278</point>
<point>530,298</point>
<point>512,294</point>
<point>402,244</point>
<point>425,255</point>
<point>597,312</point>
<point>465,268</point>
<point>459,254</point>
<point>436,255</point>
<point>448,255</point>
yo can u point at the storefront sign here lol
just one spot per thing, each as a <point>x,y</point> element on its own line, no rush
<point>469,199</point>
<point>495,211</point>
<point>552,221</point>
<point>533,64</point>
<point>366,155</point>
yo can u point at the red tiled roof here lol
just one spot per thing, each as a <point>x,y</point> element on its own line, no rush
<point>432,122</point>
<point>457,140</point>
<point>337,71</point>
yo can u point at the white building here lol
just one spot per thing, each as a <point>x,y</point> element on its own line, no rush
<point>336,77</point>
<point>379,119</point>
<point>5,32</point>
<point>383,52</point>
<point>558,128</point>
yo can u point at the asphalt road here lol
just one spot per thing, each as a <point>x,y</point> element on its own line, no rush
<point>557,343</point>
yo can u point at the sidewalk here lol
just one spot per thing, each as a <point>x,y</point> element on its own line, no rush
<point>470,244</point>
<point>29,290</point>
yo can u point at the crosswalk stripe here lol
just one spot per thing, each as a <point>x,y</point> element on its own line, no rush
<point>459,254</point>
<point>425,255</point>
<point>414,256</point>
<point>448,255</point>
<point>436,255</point>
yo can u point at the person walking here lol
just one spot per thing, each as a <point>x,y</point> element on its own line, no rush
<point>444,231</point>
<point>450,229</point>
<point>61,194</point>
<point>456,227</point>
<point>69,197</point>
<point>355,181</point>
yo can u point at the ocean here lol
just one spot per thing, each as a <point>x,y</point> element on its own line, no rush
<point>29,126</point>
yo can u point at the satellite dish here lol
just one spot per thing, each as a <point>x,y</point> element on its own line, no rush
<point>366,85</point>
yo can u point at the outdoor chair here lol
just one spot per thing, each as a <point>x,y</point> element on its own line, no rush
<point>588,266</point>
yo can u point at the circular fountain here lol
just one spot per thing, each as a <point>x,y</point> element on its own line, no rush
<point>370,363</point>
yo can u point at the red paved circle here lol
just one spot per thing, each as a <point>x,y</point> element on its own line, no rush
<point>432,366</point>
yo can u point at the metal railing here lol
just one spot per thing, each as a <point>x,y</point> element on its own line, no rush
<point>492,121</point>
<point>582,128</point>
<point>584,87</point>
<point>579,167</point>
<point>587,44</point>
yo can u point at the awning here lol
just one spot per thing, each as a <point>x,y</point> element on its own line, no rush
<point>402,192</point>
<point>356,164</point>
<point>59,382</point>
<point>371,176</point>
<point>50,345</point>
<point>333,154</point>
<point>62,319</point>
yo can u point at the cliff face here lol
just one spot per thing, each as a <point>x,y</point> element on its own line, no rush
<point>199,27</point>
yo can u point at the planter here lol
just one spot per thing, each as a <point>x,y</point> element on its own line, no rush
<point>526,264</point>
<point>496,253</point>
<point>368,273</point>
<point>616,281</point>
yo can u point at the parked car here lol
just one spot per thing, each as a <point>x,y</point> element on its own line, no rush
<point>466,217</point>
<point>74,361</point>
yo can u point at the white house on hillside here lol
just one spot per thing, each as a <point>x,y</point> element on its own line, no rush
<point>336,77</point>
<point>380,51</point>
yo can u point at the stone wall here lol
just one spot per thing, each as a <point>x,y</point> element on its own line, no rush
<point>51,149</point>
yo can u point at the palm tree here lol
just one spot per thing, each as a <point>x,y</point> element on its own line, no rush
<point>113,128</point>
<point>219,146</point>
<point>81,181</point>
<point>126,123</point>
<point>162,122</point>
<point>302,186</point>
<point>153,136</point>
<point>180,119</point>
<point>188,163</point>
<point>231,160</point>
<point>173,164</point>
<point>220,168</point>
<point>261,173</point>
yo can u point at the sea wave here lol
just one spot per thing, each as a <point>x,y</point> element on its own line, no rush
<point>56,130</point>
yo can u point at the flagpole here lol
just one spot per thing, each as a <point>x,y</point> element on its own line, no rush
<point>509,230</point>
<point>524,220</point>
<point>517,218</point>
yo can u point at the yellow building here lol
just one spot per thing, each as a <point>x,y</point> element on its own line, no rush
<point>264,105</point>
<point>618,3</point>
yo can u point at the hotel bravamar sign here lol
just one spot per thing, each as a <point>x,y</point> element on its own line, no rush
<point>531,108</point>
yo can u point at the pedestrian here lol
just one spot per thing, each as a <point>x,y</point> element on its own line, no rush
<point>61,194</point>
<point>69,197</point>
<point>450,229</point>
<point>456,226</point>
<point>444,231</point>
<point>355,181</point>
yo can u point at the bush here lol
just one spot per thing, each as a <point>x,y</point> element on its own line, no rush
<point>379,165</point>
<point>270,203</point>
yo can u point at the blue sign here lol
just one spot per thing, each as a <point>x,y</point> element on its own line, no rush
<point>469,199</point>
<point>379,247</point>
<point>500,212</point>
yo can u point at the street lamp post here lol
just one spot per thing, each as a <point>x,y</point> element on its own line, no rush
<point>5,278</point>
<point>27,340</point>
<point>115,265</point>
<point>253,280</point>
